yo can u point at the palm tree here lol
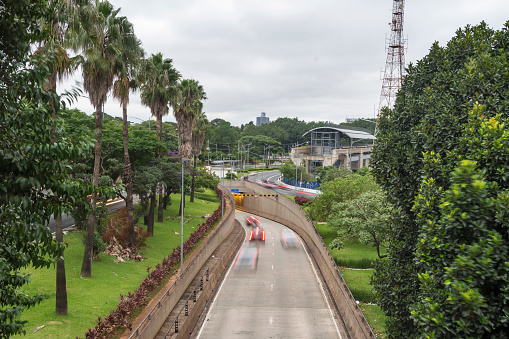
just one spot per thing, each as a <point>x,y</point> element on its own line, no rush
<point>66,15</point>
<point>185,110</point>
<point>201,125</point>
<point>128,79</point>
<point>158,89</point>
<point>100,59</point>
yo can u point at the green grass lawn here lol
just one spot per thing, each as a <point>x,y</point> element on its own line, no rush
<point>353,256</point>
<point>89,298</point>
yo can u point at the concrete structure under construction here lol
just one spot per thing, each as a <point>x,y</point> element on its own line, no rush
<point>331,146</point>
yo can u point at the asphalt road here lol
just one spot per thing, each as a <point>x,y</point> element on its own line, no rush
<point>68,221</point>
<point>282,298</point>
<point>271,177</point>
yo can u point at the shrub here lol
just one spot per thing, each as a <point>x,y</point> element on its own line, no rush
<point>98,244</point>
<point>299,200</point>
<point>117,228</point>
<point>120,317</point>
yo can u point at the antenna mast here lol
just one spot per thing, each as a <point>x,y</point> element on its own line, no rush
<point>395,64</point>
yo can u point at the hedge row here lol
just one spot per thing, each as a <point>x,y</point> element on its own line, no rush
<point>120,318</point>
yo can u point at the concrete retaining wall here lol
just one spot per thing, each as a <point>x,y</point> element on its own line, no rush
<point>191,269</point>
<point>286,212</point>
<point>215,277</point>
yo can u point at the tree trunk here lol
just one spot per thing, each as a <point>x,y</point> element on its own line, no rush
<point>153,201</point>
<point>61,283</point>
<point>86,266</point>
<point>61,293</point>
<point>160,208</point>
<point>131,238</point>
<point>192,182</point>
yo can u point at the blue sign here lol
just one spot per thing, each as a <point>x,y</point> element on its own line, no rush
<point>235,190</point>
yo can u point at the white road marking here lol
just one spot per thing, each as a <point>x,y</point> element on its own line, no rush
<point>322,289</point>
<point>219,291</point>
<point>271,287</point>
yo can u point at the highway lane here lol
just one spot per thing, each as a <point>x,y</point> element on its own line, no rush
<point>281,299</point>
<point>271,178</point>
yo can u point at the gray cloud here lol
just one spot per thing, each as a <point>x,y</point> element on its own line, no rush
<point>315,60</point>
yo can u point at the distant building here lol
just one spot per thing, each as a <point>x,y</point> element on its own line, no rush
<point>351,119</point>
<point>331,146</point>
<point>262,119</point>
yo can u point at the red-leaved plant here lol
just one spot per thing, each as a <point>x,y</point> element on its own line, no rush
<point>120,318</point>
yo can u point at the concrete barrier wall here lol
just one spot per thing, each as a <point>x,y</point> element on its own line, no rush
<point>286,212</point>
<point>215,277</point>
<point>191,269</point>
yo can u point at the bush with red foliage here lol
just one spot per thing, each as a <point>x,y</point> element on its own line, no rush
<point>117,229</point>
<point>299,200</point>
<point>120,318</point>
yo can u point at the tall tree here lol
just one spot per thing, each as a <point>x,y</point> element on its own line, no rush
<point>128,79</point>
<point>201,125</point>
<point>185,109</point>
<point>158,89</point>
<point>65,15</point>
<point>101,57</point>
<point>32,165</point>
<point>442,156</point>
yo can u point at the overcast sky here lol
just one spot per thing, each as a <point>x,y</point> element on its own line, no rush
<point>316,60</point>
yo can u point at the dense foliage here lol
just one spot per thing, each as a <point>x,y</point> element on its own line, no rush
<point>364,218</point>
<point>340,190</point>
<point>29,174</point>
<point>442,156</point>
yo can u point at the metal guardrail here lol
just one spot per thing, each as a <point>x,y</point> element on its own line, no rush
<point>179,277</point>
<point>185,307</point>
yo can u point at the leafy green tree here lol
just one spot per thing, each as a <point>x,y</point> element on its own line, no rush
<point>340,190</point>
<point>447,248</point>
<point>289,171</point>
<point>206,179</point>
<point>365,218</point>
<point>34,179</point>
<point>329,173</point>
<point>145,179</point>
<point>221,132</point>
<point>464,283</point>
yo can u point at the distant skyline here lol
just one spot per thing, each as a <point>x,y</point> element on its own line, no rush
<point>318,60</point>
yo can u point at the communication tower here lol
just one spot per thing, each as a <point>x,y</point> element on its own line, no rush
<point>395,64</point>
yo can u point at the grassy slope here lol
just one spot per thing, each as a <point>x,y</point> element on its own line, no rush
<point>357,280</point>
<point>89,298</point>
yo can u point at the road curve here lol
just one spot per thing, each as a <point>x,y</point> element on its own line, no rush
<point>281,299</point>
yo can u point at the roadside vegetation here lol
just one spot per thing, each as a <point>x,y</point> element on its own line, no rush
<point>90,298</point>
<point>355,261</point>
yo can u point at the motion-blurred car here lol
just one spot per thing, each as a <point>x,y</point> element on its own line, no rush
<point>252,221</point>
<point>257,234</point>
<point>247,260</point>
<point>289,239</point>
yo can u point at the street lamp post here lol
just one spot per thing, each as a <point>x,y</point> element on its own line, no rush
<point>222,198</point>
<point>182,221</point>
